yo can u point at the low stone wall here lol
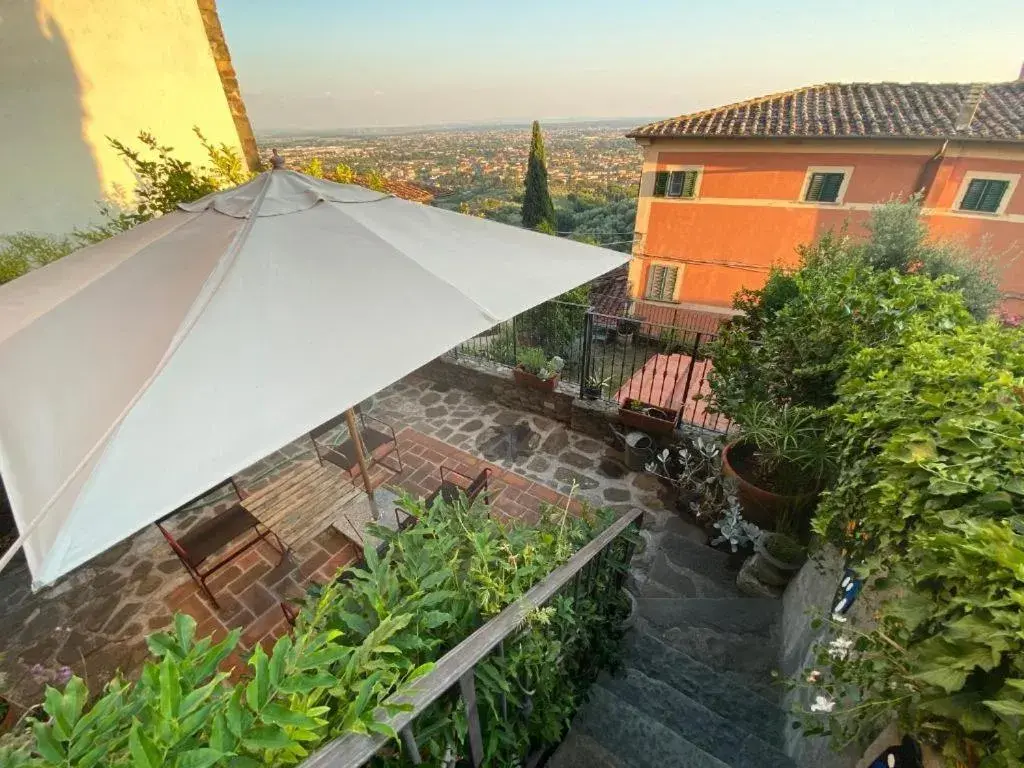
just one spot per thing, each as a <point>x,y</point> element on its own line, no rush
<point>809,596</point>
<point>495,382</point>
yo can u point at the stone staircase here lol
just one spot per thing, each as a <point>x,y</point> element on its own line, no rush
<point>696,689</point>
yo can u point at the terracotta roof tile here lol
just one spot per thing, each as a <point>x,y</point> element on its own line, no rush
<point>862,110</point>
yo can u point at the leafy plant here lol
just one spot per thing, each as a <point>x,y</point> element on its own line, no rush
<point>928,502</point>
<point>792,454</point>
<point>784,548</point>
<point>694,466</point>
<point>733,529</point>
<point>357,643</point>
<point>533,360</point>
<point>375,181</point>
<point>314,168</point>
<point>344,174</point>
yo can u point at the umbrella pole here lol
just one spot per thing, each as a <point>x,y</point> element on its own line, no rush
<point>357,442</point>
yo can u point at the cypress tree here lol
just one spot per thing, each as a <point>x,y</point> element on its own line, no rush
<point>538,210</point>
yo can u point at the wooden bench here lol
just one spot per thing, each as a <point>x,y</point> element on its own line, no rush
<point>305,501</point>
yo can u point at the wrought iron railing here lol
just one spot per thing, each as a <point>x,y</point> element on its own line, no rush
<point>615,357</point>
<point>458,666</point>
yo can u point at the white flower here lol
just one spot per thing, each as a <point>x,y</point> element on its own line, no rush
<point>814,677</point>
<point>838,618</point>
<point>840,647</point>
<point>823,704</point>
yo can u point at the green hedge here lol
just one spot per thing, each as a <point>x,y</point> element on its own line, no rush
<point>356,643</point>
<point>929,503</point>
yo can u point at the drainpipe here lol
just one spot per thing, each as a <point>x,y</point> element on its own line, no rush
<point>930,169</point>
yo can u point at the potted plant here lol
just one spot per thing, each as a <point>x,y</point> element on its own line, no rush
<point>646,418</point>
<point>777,557</point>
<point>626,328</point>
<point>593,388</point>
<point>692,467</point>
<point>780,461</point>
<point>736,535</point>
<point>535,370</point>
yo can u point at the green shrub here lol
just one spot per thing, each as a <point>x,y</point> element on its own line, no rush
<point>356,644</point>
<point>798,333</point>
<point>929,503</point>
<point>533,360</point>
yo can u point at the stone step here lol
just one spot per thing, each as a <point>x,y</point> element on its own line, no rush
<point>636,740</point>
<point>716,735</point>
<point>667,579</point>
<point>686,553</point>
<point>736,615</point>
<point>746,660</point>
<point>580,751</point>
<point>720,692</point>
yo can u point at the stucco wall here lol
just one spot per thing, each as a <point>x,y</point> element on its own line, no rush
<point>748,216</point>
<point>72,73</point>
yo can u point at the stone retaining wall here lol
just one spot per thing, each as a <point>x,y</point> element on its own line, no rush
<point>495,382</point>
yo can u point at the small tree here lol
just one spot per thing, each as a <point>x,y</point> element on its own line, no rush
<point>314,168</point>
<point>538,209</point>
<point>344,174</point>
<point>374,180</point>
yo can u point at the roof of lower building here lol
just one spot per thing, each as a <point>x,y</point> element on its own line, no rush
<point>968,111</point>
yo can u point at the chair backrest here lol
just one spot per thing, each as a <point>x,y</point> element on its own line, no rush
<point>479,484</point>
<point>327,426</point>
<point>178,549</point>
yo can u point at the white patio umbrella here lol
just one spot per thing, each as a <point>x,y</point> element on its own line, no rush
<point>142,371</point>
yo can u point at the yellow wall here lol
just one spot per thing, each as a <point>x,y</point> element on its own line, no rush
<point>72,73</point>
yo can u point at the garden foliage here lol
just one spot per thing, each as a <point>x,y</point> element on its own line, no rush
<point>356,644</point>
<point>881,344</point>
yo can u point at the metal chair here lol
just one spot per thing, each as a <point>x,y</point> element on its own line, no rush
<point>195,548</point>
<point>343,454</point>
<point>451,490</point>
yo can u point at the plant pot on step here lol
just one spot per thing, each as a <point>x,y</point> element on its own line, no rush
<point>777,559</point>
<point>588,392</point>
<point>526,379</point>
<point>760,506</point>
<point>653,421</point>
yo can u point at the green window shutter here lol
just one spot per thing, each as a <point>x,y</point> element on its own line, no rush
<point>984,195</point>
<point>830,187</point>
<point>661,283</point>
<point>668,291</point>
<point>814,188</point>
<point>689,183</point>
<point>660,183</point>
<point>824,187</point>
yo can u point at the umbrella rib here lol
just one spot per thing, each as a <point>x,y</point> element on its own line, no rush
<point>207,292</point>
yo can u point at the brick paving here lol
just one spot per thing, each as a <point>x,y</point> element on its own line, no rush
<point>96,619</point>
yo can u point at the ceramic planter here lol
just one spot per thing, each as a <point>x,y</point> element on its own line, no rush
<point>759,506</point>
<point>590,393</point>
<point>526,379</point>
<point>650,423</point>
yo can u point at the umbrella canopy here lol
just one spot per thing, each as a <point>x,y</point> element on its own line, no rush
<point>142,371</point>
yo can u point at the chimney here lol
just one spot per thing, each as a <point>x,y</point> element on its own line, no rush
<point>970,106</point>
<point>1021,75</point>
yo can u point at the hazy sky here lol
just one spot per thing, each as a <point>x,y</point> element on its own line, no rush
<point>321,64</point>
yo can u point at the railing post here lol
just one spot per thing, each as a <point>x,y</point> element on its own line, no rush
<point>467,685</point>
<point>588,328</point>
<point>689,377</point>
<point>504,698</point>
<point>409,742</point>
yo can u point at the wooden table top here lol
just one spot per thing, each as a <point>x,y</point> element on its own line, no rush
<point>304,501</point>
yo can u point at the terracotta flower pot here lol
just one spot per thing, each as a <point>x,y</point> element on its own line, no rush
<point>646,422</point>
<point>526,379</point>
<point>759,506</point>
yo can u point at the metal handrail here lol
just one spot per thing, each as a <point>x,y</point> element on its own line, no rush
<point>459,664</point>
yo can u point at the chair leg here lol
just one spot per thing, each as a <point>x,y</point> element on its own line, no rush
<point>202,583</point>
<point>280,547</point>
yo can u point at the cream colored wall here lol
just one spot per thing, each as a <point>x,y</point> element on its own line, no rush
<point>72,73</point>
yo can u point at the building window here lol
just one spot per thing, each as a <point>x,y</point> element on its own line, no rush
<point>675,183</point>
<point>984,195</point>
<point>661,282</point>
<point>824,187</point>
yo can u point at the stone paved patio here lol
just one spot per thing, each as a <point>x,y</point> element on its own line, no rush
<point>96,619</point>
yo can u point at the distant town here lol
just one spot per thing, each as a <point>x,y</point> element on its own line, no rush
<point>580,156</point>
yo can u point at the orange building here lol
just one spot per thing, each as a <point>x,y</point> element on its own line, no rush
<point>727,193</point>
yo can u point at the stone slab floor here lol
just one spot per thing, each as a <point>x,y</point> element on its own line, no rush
<point>96,619</point>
